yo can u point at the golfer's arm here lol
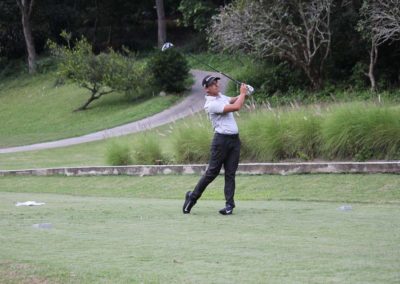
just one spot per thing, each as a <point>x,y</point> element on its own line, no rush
<point>236,105</point>
<point>233,100</point>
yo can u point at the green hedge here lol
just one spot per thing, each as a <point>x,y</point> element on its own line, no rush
<point>354,131</point>
<point>346,132</point>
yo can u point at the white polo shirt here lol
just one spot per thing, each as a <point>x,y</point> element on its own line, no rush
<point>223,123</point>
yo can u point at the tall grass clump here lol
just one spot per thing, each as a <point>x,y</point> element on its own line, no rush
<point>303,138</point>
<point>118,154</point>
<point>361,132</point>
<point>277,135</point>
<point>191,141</point>
<point>263,137</point>
<point>147,150</point>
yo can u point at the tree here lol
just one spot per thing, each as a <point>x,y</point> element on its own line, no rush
<point>162,28</point>
<point>170,70</point>
<point>379,23</point>
<point>26,7</point>
<point>293,30</point>
<point>12,44</point>
<point>101,74</point>
<point>196,13</point>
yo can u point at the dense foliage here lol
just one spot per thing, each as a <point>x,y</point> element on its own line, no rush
<point>101,74</point>
<point>170,69</point>
<point>133,24</point>
<point>325,39</point>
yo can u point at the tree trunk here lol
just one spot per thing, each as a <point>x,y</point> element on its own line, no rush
<point>30,46</point>
<point>88,102</point>
<point>162,29</point>
<point>95,25</point>
<point>109,35</point>
<point>373,56</point>
<point>95,95</point>
<point>315,78</point>
<point>26,10</point>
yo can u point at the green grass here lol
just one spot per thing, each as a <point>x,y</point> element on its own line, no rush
<point>362,131</point>
<point>34,110</point>
<point>376,188</point>
<point>131,230</point>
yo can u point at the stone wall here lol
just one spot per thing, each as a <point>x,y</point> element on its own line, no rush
<point>250,168</point>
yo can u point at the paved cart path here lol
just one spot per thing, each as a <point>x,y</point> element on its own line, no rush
<point>193,103</point>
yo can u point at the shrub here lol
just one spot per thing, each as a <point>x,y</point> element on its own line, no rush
<point>281,77</point>
<point>3,62</point>
<point>100,74</point>
<point>268,78</point>
<point>358,78</point>
<point>46,64</point>
<point>147,150</point>
<point>118,154</point>
<point>170,70</point>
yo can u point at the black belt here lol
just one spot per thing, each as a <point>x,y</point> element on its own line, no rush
<point>227,135</point>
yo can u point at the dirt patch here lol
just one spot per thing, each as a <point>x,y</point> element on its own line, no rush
<point>20,273</point>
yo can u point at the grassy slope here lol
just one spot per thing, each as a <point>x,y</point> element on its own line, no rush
<point>131,230</point>
<point>87,154</point>
<point>34,110</point>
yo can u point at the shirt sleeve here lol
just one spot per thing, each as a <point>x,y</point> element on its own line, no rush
<point>215,107</point>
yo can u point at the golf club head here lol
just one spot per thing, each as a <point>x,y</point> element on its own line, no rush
<point>166,46</point>
<point>250,90</point>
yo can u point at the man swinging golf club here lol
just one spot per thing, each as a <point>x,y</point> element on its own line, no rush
<point>225,146</point>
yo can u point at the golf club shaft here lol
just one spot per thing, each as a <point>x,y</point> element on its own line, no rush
<point>222,73</point>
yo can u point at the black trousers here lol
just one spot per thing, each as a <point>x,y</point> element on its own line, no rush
<point>225,150</point>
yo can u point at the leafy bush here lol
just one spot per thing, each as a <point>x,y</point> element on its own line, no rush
<point>3,62</point>
<point>147,150</point>
<point>358,78</point>
<point>196,13</point>
<point>269,79</point>
<point>101,74</point>
<point>118,154</point>
<point>46,64</point>
<point>11,68</point>
<point>170,70</point>
<point>280,77</point>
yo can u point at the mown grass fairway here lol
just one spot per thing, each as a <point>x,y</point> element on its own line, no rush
<point>131,230</point>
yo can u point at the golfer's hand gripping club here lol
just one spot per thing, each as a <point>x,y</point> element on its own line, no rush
<point>243,89</point>
<point>249,90</point>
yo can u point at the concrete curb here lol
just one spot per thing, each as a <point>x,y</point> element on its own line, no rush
<point>250,169</point>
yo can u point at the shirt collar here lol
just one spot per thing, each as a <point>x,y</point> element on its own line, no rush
<point>213,98</point>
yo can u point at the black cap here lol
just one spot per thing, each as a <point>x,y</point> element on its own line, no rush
<point>208,80</point>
